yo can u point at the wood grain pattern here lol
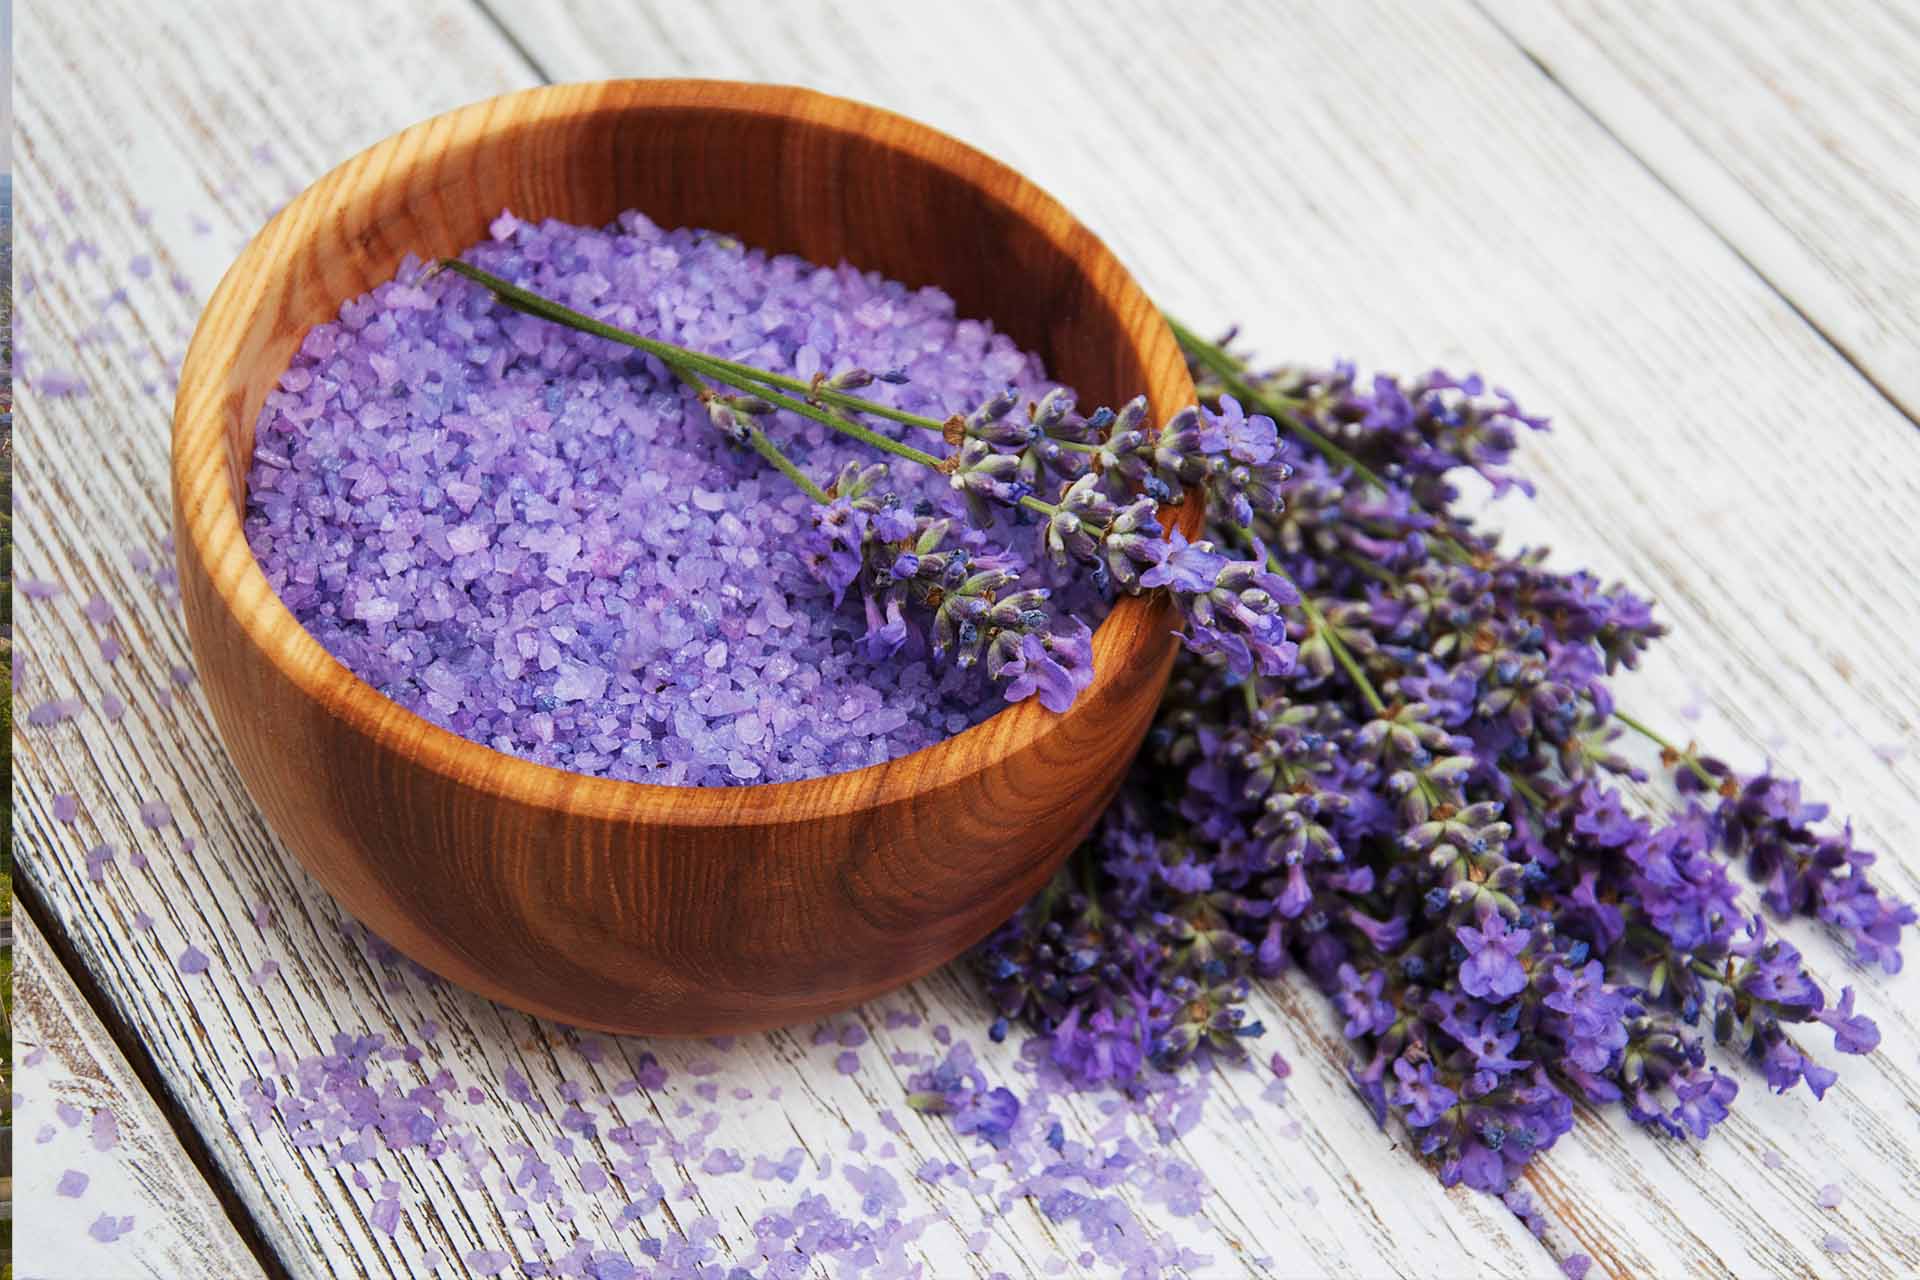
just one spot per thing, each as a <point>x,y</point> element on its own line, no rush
<point>1397,182</point>
<point>181,1233</point>
<point>1793,129</point>
<point>616,905</point>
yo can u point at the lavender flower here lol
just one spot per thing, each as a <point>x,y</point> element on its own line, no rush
<point>1493,970</point>
<point>958,1089</point>
<point>1397,777</point>
<point>1417,809</point>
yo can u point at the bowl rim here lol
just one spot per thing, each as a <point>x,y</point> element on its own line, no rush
<point>210,524</point>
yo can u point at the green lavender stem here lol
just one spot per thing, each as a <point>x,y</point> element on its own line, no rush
<point>1686,757</point>
<point>756,437</point>
<point>1231,372</point>
<point>741,377</point>
<point>686,363</point>
<point>744,377</point>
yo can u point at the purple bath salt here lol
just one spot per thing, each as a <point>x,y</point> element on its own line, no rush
<point>97,859</point>
<point>65,807</point>
<point>536,538</point>
<point>386,1215</point>
<point>73,1184</point>
<point>193,960</point>
<point>54,711</point>
<point>106,1130</point>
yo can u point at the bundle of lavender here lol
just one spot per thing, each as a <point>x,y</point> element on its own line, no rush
<point>1386,757</point>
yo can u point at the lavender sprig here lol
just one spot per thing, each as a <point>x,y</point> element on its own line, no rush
<point>928,581</point>
<point>1423,816</point>
<point>1388,759</point>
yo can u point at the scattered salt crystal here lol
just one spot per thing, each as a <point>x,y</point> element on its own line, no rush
<point>106,1228</point>
<point>110,651</point>
<point>112,708</point>
<point>98,610</point>
<point>65,807</point>
<point>1830,1196</point>
<point>193,960</point>
<point>142,921</point>
<point>1834,1243</point>
<point>155,814</point>
<point>54,711</point>
<point>60,384</point>
<point>38,588</point>
<point>1575,1266</point>
<point>847,1063</point>
<point>106,1130</point>
<point>487,1262</point>
<point>97,859</point>
<point>73,1184</point>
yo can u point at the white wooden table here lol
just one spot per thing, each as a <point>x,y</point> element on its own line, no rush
<point>1693,238</point>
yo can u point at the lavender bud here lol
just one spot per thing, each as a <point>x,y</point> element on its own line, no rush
<point>850,380</point>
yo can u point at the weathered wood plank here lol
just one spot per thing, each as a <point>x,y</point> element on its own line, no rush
<point>116,170</point>
<point>1792,128</point>
<point>1393,184</point>
<point>1383,228</point>
<point>136,1169</point>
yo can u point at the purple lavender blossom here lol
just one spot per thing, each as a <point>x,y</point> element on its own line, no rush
<point>1420,812</point>
<point>1493,969</point>
<point>958,1089</point>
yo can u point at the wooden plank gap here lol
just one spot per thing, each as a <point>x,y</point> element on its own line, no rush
<point>28,900</point>
<point>1833,341</point>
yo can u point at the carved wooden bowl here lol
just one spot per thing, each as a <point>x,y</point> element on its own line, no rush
<point>618,905</point>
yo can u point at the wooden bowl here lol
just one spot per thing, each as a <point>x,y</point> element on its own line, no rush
<point>617,905</point>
